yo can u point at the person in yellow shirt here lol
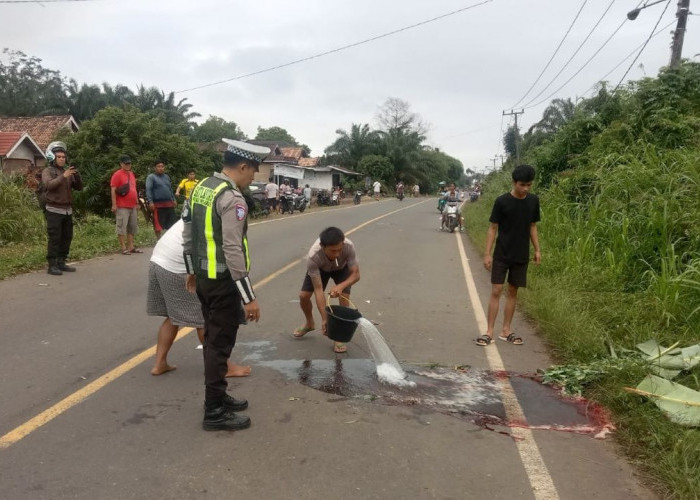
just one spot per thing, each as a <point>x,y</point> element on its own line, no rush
<point>187,184</point>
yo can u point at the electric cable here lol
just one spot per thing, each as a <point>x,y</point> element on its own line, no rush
<point>338,49</point>
<point>554,54</point>
<point>661,30</point>
<point>643,46</point>
<point>572,56</point>
<point>581,68</point>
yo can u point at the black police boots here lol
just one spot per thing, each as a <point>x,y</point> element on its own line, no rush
<point>233,404</point>
<point>217,417</point>
<point>53,268</point>
<point>63,267</point>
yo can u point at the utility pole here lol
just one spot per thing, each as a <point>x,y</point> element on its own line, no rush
<point>494,163</point>
<point>516,113</point>
<point>677,45</point>
<point>501,157</point>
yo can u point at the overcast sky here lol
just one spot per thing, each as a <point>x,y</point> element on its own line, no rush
<point>458,73</point>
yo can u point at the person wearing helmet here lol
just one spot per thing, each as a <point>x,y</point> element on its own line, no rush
<point>58,183</point>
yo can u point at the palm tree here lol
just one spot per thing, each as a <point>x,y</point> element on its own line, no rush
<point>349,148</point>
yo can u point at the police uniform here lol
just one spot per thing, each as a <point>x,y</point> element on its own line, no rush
<point>216,250</point>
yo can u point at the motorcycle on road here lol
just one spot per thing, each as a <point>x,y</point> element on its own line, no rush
<point>451,215</point>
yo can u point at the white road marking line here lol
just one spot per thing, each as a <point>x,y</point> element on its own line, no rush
<point>540,480</point>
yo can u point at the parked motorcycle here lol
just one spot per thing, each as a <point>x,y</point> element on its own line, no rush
<point>323,198</point>
<point>287,203</point>
<point>451,215</point>
<point>335,198</point>
<point>358,197</point>
<point>299,202</point>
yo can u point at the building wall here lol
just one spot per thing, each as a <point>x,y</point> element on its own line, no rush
<point>263,173</point>
<point>318,180</point>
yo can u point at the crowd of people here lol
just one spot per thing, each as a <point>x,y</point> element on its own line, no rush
<point>199,268</point>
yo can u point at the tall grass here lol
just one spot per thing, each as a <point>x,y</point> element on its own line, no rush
<point>620,243</point>
<point>20,218</point>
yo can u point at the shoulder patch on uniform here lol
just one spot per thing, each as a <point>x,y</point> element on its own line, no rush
<point>240,211</point>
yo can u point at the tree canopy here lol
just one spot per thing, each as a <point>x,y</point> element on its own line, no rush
<point>96,148</point>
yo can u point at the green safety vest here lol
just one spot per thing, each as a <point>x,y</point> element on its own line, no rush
<point>207,238</point>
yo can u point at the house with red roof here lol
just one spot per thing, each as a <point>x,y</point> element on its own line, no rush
<point>19,153</point>
<point>42,129</point>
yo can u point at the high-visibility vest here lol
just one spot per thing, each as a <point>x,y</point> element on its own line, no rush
<point>207,238</point>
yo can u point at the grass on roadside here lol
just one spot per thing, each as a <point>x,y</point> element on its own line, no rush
<point>93,236</point>
<point>577,313</point>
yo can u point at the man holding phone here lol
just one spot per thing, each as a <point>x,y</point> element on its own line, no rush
<point>59,183</point>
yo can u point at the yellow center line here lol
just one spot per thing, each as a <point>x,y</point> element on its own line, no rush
<point>80,395</point>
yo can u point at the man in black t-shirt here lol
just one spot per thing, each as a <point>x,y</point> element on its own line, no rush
<point>513,219</point>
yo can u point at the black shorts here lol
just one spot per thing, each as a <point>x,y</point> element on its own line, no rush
<point>517,273</point>
<point>338,277</point>
<point>272,203</point>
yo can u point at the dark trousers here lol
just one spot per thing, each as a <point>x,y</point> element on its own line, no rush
<point>60,232</point>
<point>221,308</point>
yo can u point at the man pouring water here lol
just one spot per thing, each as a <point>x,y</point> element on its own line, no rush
<point>331,256</point>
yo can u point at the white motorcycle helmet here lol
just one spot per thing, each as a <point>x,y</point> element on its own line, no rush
<point>53,148</point>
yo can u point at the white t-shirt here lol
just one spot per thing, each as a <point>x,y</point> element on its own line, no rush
<point>168,251</point>
<point>377,186</point>
<point>271,190</point>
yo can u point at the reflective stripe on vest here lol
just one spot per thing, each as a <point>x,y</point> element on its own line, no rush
<point>205,196</point>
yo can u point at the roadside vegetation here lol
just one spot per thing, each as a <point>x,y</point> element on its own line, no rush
<point>23,231</point>
<point>619,183</point>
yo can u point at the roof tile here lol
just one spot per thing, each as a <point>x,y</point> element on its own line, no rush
<point>41,128</point>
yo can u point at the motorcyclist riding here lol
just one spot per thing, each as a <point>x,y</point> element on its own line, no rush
<point>450,196</point>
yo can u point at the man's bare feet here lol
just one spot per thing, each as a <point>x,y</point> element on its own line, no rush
<point>160,370</point>
<point>235,370</point>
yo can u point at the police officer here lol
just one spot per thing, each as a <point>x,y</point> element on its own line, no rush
<point>216,252</point>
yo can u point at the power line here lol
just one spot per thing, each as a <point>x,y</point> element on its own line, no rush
<point>554,54</point>
<point>661,30</point>
<point>581,68</point>
<point>643,46</point>
<point>572,56</point>
<point>339,49</point>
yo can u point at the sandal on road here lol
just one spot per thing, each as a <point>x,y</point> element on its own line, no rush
<point>126,252</point>
<point>512,339</point>
<point>483,341</point>
<point>340,348</point>
<point>136,250</point>
<point>301,331</point>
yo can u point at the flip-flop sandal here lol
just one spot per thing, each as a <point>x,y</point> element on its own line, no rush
<point>340,348</point>
<point>136,250</point>
<point>483,341</point>
<point>126,252</point>
<point>512,339</point>
<point>301,331</point>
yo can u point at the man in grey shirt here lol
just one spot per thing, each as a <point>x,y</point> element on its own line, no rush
<point>331,256</point>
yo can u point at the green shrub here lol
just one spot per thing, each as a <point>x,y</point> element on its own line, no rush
<point>20,217</point>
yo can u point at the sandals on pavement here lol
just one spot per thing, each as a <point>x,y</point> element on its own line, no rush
<point>301,331</point>
<point>483,341</point>
<point>126,252</point>
<point>339,347</point>
<point>136,250</point>
<point>512,339</point>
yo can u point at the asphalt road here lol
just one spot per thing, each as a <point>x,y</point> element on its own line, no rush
<point>323,427</point>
